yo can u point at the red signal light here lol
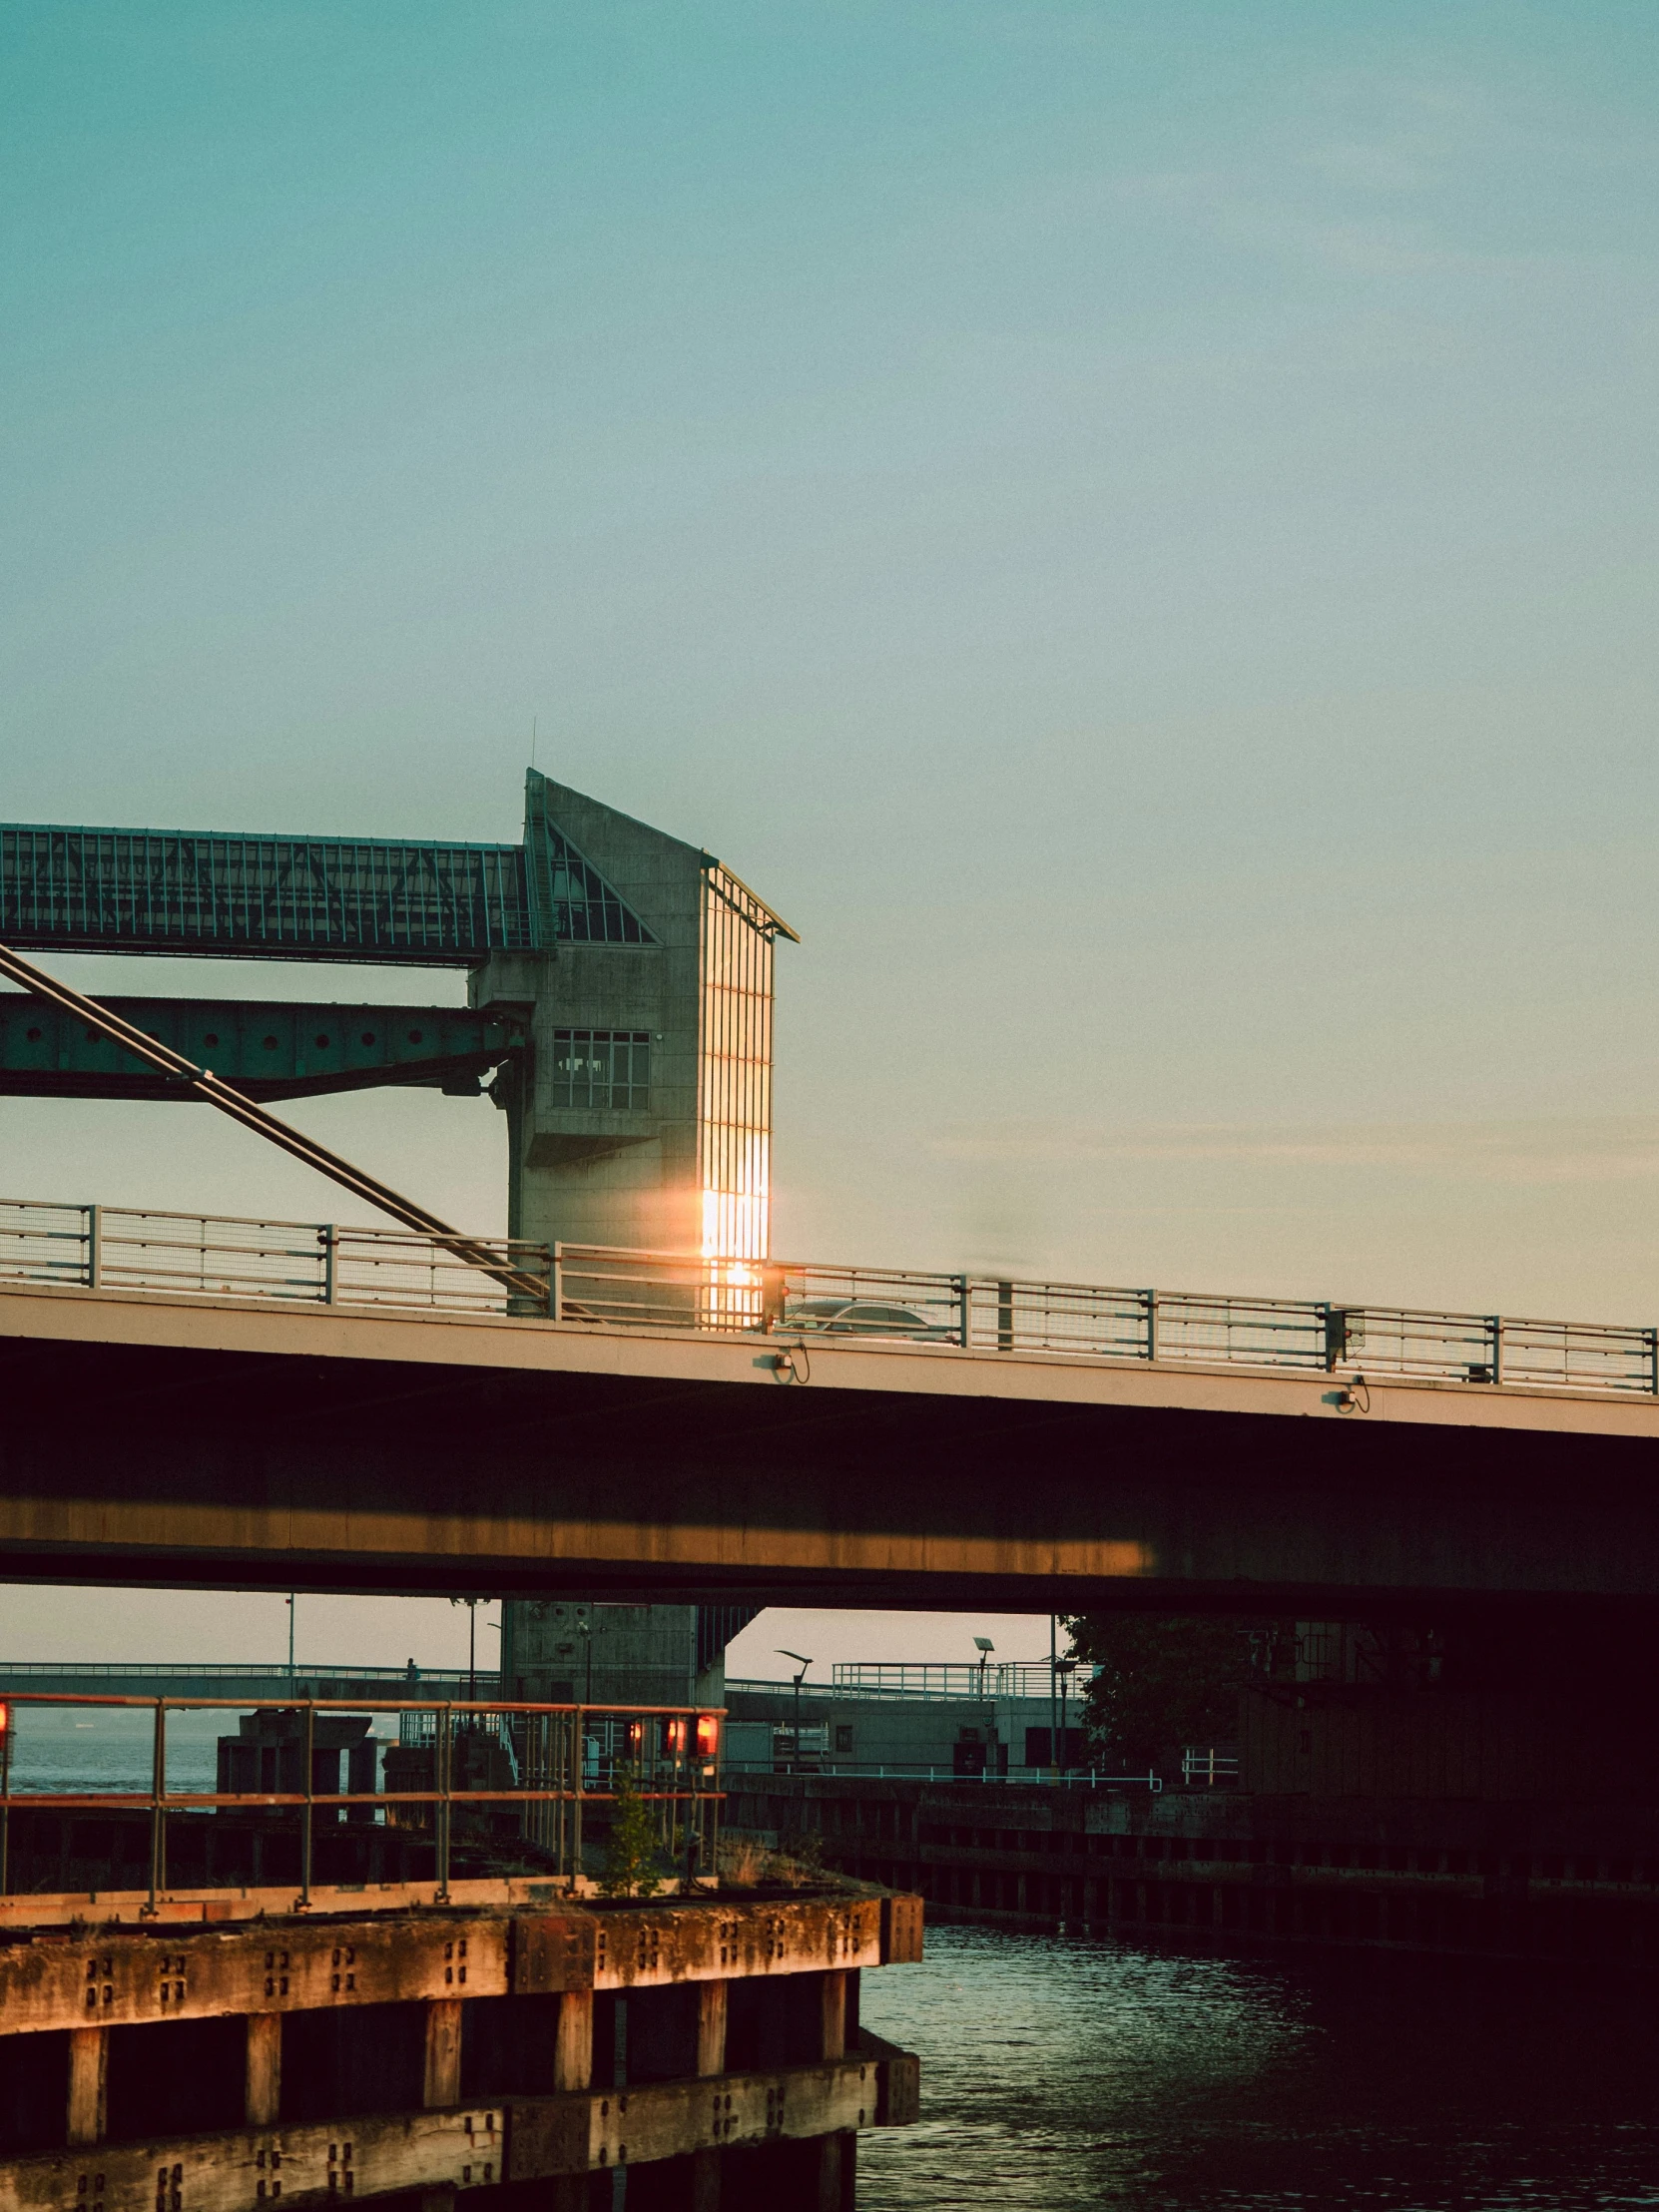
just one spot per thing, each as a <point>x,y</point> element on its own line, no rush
<point>708,1735</point>
<point>5,1718</point>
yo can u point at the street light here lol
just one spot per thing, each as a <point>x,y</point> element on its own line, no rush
<point>804,1664</point>
<point>986,1648</point>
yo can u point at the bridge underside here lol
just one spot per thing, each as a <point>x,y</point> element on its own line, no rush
<point>208,1461</point>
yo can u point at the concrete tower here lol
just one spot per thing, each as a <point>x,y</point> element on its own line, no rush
<point>641,1115</point>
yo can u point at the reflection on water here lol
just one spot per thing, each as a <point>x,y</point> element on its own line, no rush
<point>1064,2072</point>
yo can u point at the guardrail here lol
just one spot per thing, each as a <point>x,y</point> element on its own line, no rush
<point>1023,1777</point>
<point>936,1679</point>
<point>804,1303</point>
<point>563,1758</point>
<point>1208,1768</point>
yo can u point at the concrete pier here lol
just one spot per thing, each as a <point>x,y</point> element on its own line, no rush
<point>227,2051</point>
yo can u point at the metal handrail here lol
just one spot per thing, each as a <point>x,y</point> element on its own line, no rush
<point>803,1305</point>
<point>692,1779</point>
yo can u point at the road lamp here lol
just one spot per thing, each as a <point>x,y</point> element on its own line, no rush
<point>986,1647</point>
<point>804,1664</point>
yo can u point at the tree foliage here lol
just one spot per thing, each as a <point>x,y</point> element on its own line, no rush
<point>633,1862</point>
<point>1163,1680</point>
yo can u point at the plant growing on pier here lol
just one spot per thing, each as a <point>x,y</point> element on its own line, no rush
<point>633,1863</point>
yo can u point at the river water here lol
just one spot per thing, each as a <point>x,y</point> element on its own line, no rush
<point>1060,2073</point>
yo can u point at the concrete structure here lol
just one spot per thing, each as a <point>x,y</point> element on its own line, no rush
<point>846,1731</point>
<point>226,1441</point>
<point>222,2050</point>
<point>640,1111</point>
<point>563,1649</point>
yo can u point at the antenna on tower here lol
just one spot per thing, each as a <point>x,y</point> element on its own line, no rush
<point>532,741</point>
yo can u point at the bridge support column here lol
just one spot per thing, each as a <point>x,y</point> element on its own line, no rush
<point>710,2027</point>
<point>442,2074</point>
<point>833,2046</point>
<point>573,2041</point>
<point>264,2095</point>
<point>89,2061</point>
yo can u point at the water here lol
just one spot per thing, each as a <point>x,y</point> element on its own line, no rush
<point>1062,2073</point>
<point>110,1747</point>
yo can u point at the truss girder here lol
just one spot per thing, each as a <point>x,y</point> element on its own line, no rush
<point>144,890</point>
<point>268,1049</point>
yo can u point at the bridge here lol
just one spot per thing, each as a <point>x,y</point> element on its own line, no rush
<point>627,1396</point>
<point>201,1401</point>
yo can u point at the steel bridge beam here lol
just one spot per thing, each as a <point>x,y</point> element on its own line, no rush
<point>267,1050</point>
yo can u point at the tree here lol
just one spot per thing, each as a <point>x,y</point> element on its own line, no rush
<point>1161,1680</point>
<point>632,1859</point>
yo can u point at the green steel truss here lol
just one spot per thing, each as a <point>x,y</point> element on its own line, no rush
<point>268,1049</point>
<point>305,898</point>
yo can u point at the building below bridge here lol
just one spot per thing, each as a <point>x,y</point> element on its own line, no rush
<point>1001,1725</point>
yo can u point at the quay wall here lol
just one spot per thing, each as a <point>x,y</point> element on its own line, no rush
<point>1555,1881</point>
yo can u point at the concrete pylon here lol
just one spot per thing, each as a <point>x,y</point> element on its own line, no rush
<point>639,1116</point>
<point>640,1113</point>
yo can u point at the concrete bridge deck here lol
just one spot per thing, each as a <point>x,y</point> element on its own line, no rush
<point>180,1439</point>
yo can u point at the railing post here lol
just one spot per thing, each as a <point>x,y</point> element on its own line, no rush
<point>6,1795</point>
<point>446,1761</point>
<point>306,1840</point>
<point>329,1238</point>
<point>555,1282</point>
<point>1497,1327</point>
<point>95,1246</point>
<point>157,1808</point>
<point>1004,1317</point>
<point>963,1310</point>
<point>1653,1361</point>
<point>1151,1325</point>
<point>581,1748</point>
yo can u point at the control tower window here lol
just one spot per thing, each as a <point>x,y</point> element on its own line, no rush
<point>607,1068</point>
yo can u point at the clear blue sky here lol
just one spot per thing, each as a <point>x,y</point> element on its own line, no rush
<point>1134,527</point>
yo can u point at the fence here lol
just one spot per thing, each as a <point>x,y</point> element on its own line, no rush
<point>935,1679</point>
<point>1209,1768</point>
<point>562,1759</point>
<point>1074,1777</point>
<point>806,1303</point>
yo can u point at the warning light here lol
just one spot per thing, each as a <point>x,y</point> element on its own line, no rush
<point>5,1718</point>
<point>636,1736</point>
<point>708,1735</point>
<point>674,1736</point>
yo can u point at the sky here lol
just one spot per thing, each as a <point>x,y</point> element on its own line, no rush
<point>1133,528</point>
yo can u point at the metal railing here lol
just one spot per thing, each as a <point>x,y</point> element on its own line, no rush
<point>239,1670</point>
<point>804,1305</point>
<point>1022,1777</point>
<point>1207,1767</point>
<point>932,1680</point>
<point>565,1758</point>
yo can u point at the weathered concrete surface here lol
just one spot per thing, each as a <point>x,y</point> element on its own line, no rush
<point>217,1441</point>
<point>136,1973</point>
